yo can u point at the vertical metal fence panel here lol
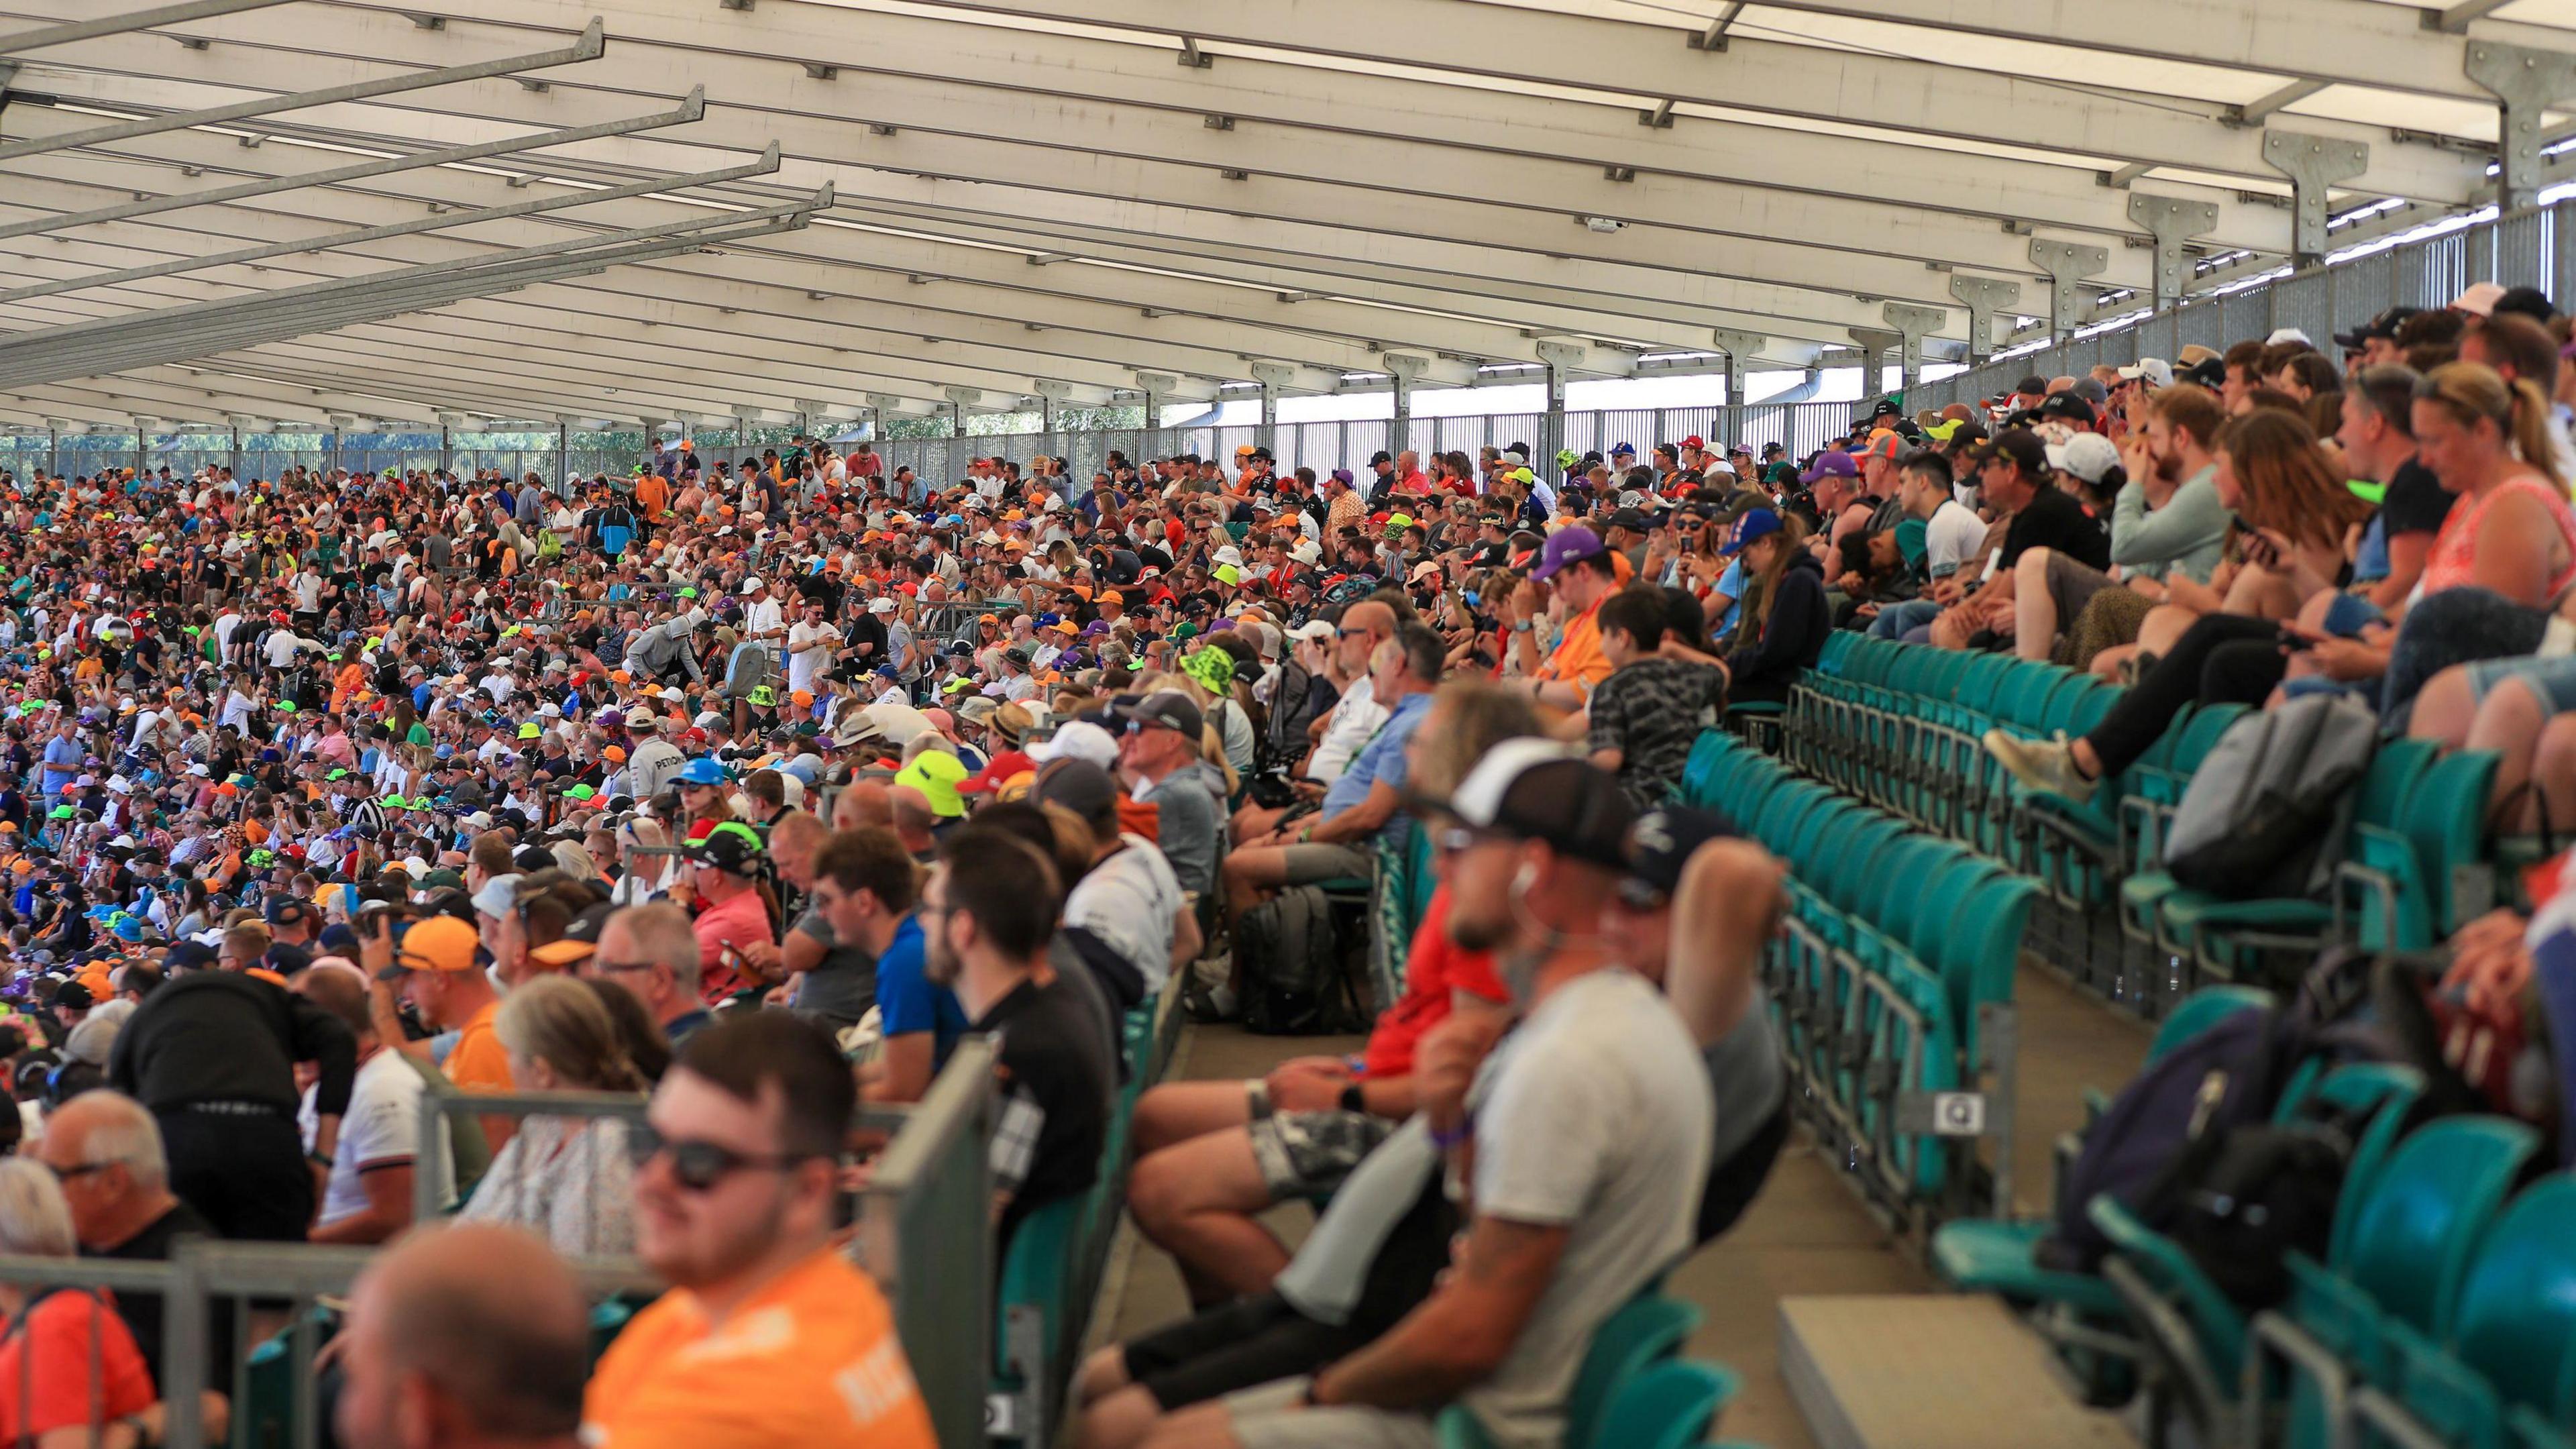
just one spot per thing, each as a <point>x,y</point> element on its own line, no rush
<point>1362,439</point>
<point>2306,303</point>
<point>1583,435</point>
<point>2518,249</point>
<point>1456,434</point>
<point>2245,314</point>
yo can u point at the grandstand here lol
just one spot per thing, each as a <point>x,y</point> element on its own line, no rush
<point>1501,723</point>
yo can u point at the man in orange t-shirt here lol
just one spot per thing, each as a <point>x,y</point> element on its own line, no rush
<point>768,1335</point>
<point>1584,571</point>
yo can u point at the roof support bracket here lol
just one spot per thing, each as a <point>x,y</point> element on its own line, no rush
<point>2314,163</point>
<point>52,35</point>
<point>2067,265</point>
<point>2172,221</point>
<point>1984,297</point>
<point>1913,323</point>
<point>2255,112</point>
<point>1714,37</point>
<point>1874,343</point>
<point>2527,81</point>
<point>1660,118</point>
<point>1193,58</point>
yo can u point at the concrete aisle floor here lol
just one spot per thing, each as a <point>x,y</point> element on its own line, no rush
<point>1808,1233</point>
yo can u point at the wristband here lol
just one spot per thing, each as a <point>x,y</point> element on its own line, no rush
<point>1353,1100</point>
<point>1446,1140</point>
<point>323,1158</point>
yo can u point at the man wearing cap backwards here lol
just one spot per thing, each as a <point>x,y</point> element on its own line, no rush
<point>1585,1140</point>
<point>212,1055</point>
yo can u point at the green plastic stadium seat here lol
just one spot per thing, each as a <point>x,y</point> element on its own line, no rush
<point>1669,1406</point>
<point>1645,1331</point>
<point>2516,1320</point>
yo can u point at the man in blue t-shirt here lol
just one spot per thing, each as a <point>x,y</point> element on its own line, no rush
<point>1363,802</point>
<point>865,884</point>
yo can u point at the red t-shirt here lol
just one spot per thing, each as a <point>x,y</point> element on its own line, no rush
<point>1433,969</point>
<point>62,1392</point>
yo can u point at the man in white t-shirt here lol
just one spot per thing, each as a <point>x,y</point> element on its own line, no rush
<point>1129,903</point>
<point>369,1194</point>
<point>809,646</point>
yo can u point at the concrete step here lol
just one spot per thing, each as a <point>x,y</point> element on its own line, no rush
<point>1930,1372</point>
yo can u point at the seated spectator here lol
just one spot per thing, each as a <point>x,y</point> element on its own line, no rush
<point>992,904</point>
<point>71,1367</point>
<point>1646,714</point>
<point>831,981</point>
<point>1580,571</point>
<point>651,953</point>
<point>1590,1132</point>
<point>566,1177</point>
<point>105,1150</point>
<point>1785,615</point>
<point>865,884</point>
<point>1211,1156</point>
<point>733,907</point>
<point>468,1335</point>
<point>1125,916</point>
<point>2012,479</point>
<point>1953,537</point>
<point>1159,752</point>
<point>736,1179</point>
<point>369,1192</point>
<point>1362,804</point>
<point>2166,519</point>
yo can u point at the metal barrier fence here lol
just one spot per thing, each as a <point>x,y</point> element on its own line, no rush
<point>923,1229</point>
<point>2534,248</point>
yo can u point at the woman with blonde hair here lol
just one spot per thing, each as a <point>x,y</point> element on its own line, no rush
<point>566,1177</point>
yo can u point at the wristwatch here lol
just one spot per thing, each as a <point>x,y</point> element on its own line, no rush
<point>1524,626</point>
<point>1353,1100</point>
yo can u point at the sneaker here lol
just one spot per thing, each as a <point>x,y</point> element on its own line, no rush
<point>2041,764</point>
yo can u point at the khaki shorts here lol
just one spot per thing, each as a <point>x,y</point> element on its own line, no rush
<point>1268,1418</point>
<point>1308,864</point>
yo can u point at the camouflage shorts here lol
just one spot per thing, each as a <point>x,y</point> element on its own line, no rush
<point>1302,1153</point>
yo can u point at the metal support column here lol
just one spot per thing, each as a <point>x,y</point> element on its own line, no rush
<point>2314,163</point>
<point>1271,376</point>
<point>446,448</point>
<point>1912,323</point>
<point>2067,264</point>
<point>142,441</point>
<point>232,454</point>
<point>1739,348</point>
<point>563,455</point>
<point>1561,358</point>
<point>336,426</point>
<point>1874,343</point>
<point>53,450</point>
<point>2527,81</point>
<point>1157,386</point>
<point>960,399</point>
<point>1403,369</point>
<point>2172,221</point>
<point>1984,297</point>
<point>1052,392</point>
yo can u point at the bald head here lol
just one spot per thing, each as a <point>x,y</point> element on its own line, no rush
<point>912,813</point>
<point>1371,615</point>
<point>477,1329</point>
<point>862,804</point>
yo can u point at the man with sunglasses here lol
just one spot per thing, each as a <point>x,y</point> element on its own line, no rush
<point>768,1334</point>
<point>651,952</point>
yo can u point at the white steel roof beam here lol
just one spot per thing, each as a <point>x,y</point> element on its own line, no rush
<point>1780,78</point>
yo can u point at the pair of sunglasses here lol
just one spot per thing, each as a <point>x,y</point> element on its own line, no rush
<point>699,1165</point>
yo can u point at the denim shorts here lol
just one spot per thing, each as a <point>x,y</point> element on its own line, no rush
<point>2553,679</point>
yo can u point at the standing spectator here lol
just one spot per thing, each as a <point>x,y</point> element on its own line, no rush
<point>212,1054</point>
<point>992,902</point>
<point>369,1192</point>
<point>736,1180</point>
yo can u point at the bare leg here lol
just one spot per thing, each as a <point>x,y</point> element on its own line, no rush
<point>1200,1426</point>
<point>1196,1201</point>
<point>2553,772</point>
<point>2446,710</point>
<point>2034,612</point>
<point>1178,1111</point>
<point>2164,624</point>
<point>1119,1420</point>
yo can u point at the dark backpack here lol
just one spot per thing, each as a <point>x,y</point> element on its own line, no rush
<point>1295,980</point>
<point>2265,813</point>
<point>2169,1145</point>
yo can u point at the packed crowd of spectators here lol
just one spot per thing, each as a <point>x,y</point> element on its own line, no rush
<point>750,792</point>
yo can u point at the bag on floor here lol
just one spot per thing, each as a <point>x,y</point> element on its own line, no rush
<point>2265,814</point>
<point>1295,980</point>
<point>2172,1132</point>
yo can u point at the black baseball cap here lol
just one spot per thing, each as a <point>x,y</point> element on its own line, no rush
<point>2019,445</point>
<point>1078,785</point>
<point>1660,843</point>
<point>731,847</point>
<point>2068,406</point>
<point>287,911</point>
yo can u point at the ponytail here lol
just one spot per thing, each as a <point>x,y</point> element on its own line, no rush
<point>2531,431</point>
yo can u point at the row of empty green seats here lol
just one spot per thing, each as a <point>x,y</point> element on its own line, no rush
<point>1893,989</point>
<point>1899,725</point>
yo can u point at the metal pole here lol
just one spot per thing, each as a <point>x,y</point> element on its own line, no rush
<point>232,455</point>
<point>766,164</point>
<point>52,35</point>
<point>53,450</point>
<point>563,457</point>
<point>688,110</point>
<point>335,447</point>
<point>593,40</point>
<point>446,449</point>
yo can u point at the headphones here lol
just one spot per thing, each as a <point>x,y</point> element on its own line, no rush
<point>1526,877</point>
